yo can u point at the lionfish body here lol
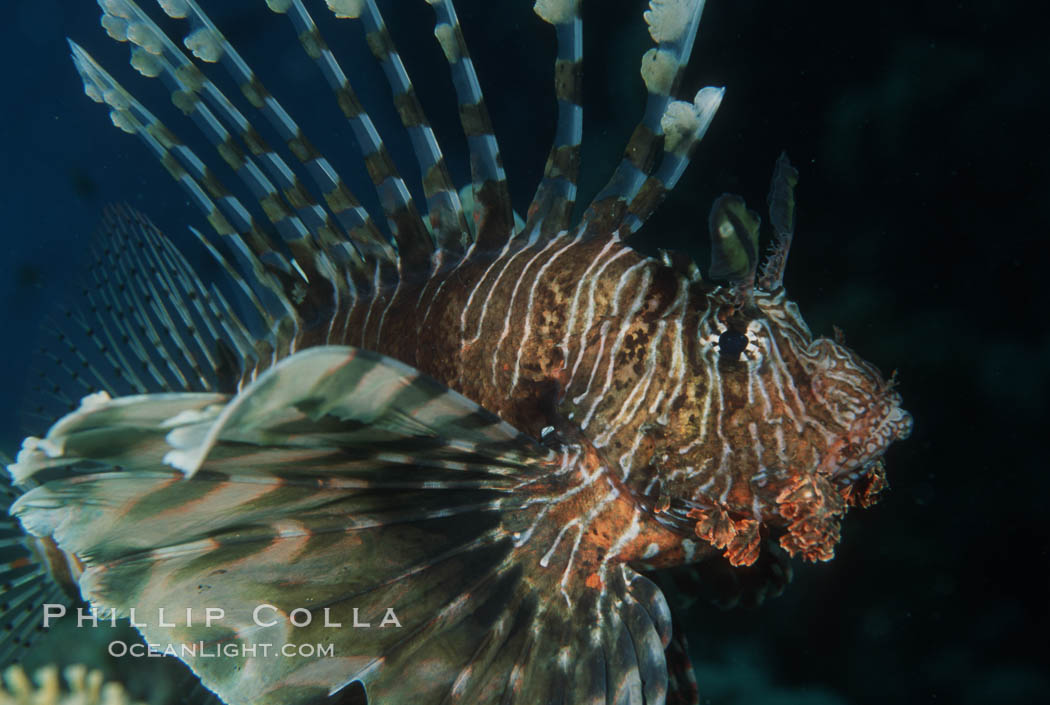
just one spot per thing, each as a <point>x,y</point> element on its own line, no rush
<point>482,425</point>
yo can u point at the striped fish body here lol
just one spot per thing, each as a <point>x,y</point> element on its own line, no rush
<point>548,336</point>
<point>504,328</point>
<point>625,350</point>
<point>474,437</point>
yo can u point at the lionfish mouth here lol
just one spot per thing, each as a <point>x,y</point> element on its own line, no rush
<point>869,437</point>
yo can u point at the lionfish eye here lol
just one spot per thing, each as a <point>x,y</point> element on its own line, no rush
<point>731,343</point>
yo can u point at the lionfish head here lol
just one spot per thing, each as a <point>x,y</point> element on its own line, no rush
<point>835,413</point>
<point>813,417</point>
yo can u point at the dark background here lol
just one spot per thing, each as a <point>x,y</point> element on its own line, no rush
<point>919,132</point>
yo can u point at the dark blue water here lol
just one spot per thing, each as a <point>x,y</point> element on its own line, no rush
<point>919,132</point>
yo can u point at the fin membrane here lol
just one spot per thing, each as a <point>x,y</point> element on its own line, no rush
<point>345,486</point>
<point>682,688</point>
<point>30,570</point>
<point>144,322</point>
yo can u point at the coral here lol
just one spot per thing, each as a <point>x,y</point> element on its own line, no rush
<point>84,688</point>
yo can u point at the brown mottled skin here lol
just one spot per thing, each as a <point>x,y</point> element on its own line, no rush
<point>796,481</point>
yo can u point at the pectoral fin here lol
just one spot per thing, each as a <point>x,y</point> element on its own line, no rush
<point>345,485</point>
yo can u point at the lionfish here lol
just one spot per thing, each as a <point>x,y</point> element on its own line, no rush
<point>489,426</point>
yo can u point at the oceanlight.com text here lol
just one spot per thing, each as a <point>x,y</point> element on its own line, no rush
<point>200,649</point>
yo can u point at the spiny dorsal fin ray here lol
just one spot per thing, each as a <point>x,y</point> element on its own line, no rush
<point>443,205</point>
<point>193,322</point>
<point>413,241</point>
<point>267,348</point>
<point>269,268</point>
<point>464,536</point>
<point>551,207</point>
<point>310,283</point>
<point>781,201</point>
<point>210,45</point>
<point>156,55</point>
<point>128,114</point>
<point>145,323</point>
<point>492,207</point>
<point>684,125</point>
<point>223,324</point>
<point>672,25</point>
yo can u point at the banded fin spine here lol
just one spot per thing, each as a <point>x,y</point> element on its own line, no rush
<point>781,202</point>
<point>334,247</point>
<point>672,25</point>
<point>210,45</point>
<point>155,55</point>
<point>305,227</point>
<point>551,207</point>
<point>444,210</point>
<point>328,270</point>
<point>413,241</point>
<point>269,267</point>
<point>145,323</point>
<point>684,125</point>
<point>396,496</point>
<point>493,214</point>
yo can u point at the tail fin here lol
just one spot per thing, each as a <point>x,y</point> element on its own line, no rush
<point>344,486</point>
